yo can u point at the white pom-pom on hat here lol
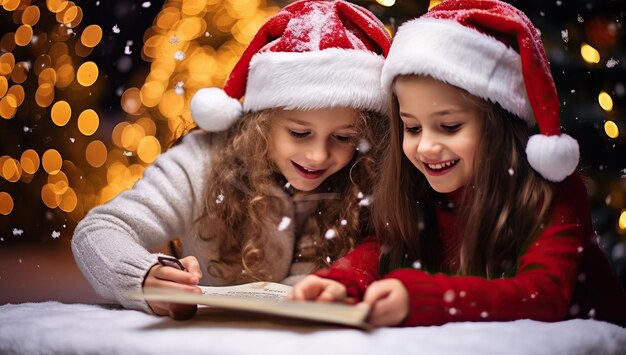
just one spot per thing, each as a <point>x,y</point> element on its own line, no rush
<point>213,110</point>
<point>554,157</point>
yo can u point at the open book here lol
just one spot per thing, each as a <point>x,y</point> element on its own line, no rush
<point>266,298</point>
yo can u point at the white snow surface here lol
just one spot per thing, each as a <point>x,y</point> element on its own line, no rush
<point>53,327</point>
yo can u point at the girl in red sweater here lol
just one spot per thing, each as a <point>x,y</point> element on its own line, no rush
<point>475,221</point>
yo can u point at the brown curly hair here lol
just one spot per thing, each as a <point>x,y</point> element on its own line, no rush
<point>243,172</point>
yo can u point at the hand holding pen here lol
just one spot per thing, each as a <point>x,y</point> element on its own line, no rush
<point>184,275</point>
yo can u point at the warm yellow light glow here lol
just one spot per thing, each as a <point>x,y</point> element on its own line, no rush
<point>23,35</point>
<point>605,101</point>
<point>386,3</point>
<point>51,161</point>
<point>589,54</point>
<point>6,203</point>
<point>11,170</point>
<point>49,197</point>
<point>622,220</point>
<point>131,100</point>
<point>68,200</point>
<point>59,182</point>
<point>433,3</point>
<point>44,95</point>
<point>149,148</point>
<point>611,129</point>
<point>96,154</point>
<point>4,85</point>
<point>30,161</point>
<point>87,74</point>
<point>31,15</point>
<point>61,113</point>
<point>88,122</point>
<point>91,36</point>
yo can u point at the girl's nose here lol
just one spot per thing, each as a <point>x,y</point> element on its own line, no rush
<point>318,152</point>
<point>429,146</point>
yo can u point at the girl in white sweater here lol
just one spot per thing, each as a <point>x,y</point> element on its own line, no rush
<point>270,191</point>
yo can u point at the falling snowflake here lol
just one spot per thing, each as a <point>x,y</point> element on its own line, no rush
<point>287,185</point>
<point>365,202</point>
<point>179,56</point>
<point>116,29</point>
<point>592,313</point>
<point>607,199</point>
<point>565,35</point>
<point>452,311</point>
<point>417,264</point>
<point>580,19</point>
<point>448,296</point>
<point>146,4</point>
<point>559,2</point>
<point>174,39</point>
<point>207,34</point>
<point>27,129</point>
<point>359,195</point>
<point>284,223</point>
<point>56,234</point>
<point>220,199</point>
<point>17,231</point>
<point>344,222</point>
<point>128,154</point>
<point>72,140</point>
<point>611,62</point>
<point>178,88</point>
<point>328,259</point>
<point>127,50</point>
<point>484,314</point>
<point>572,91</point>
<point>364,146</point>
<point>330,234</point>
<point>511,171</point>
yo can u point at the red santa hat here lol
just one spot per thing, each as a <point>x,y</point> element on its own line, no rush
<point>312,54</point>
<point>468,44</point>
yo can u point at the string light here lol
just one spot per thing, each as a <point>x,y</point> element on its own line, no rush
<point>589,54</point>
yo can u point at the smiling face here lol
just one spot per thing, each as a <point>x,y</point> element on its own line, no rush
<point>441,130</point>
<point>309,146</point>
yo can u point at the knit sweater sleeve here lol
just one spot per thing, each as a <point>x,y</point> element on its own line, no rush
<point>357,269</point>
<point>111,243</point>
<point>541,289</point>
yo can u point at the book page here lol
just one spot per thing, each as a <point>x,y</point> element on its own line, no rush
<point>259,290</point>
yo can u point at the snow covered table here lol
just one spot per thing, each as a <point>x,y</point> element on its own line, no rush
<point>52,327</point>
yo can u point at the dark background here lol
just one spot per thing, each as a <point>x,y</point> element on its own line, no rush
<point>35,261</point>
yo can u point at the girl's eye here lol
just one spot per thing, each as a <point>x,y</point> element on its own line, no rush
<point>413,130</point>
<point>343,139</point>
<point>451,128</point>
<point>298,134</point>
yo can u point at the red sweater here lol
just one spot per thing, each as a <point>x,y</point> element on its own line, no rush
<point>562,275</point>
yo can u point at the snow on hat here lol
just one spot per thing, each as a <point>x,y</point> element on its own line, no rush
<point>468,44</point>
<point>312,54</point>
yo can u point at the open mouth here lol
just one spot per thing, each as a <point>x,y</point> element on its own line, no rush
<point>441,167</point>
<point>308,173</point>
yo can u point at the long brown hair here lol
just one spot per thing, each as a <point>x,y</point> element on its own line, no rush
<point>240,201</point>
<point>501,212</point>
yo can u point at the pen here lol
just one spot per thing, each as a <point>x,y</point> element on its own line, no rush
<point>171,262</point>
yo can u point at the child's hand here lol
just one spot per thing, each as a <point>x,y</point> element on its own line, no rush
<point>170,277</point>
<point>315,288</point>
<point>389,302</point>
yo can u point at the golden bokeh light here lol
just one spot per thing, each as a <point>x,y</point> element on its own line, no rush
<point>17,92</point>
<point>6,203</point>
<point>23,35</point>
<point>51,161</point>
<point>44,95</point>
<point>7,62</point>
<point>151,93</point>
<point>589,54</point>
<point>96,153</point>
<point>148,125</point>
<point>87,74</point>
<point>611,129</point>
<point>11,170</point>
<point>59,182</point>
<point>605,101</point>
<point>622,220</point>
<point>132,134</point>
<point>20,72</point>
<point>4,85</point>
<point>56,6</point>
<point>149,148</point>
<point>68,201</point>
<point>48,76</point>
<point>10,5</point>
<point>88,122</point>
<point>61,113</point>
<point>30,161</point>
<point>49,197</point>
<point>91,36</point>
<point>193,7</point>
<point>31,15</point>
<point>131,100</point>
<point>172,104</point>
<point>7,109</point>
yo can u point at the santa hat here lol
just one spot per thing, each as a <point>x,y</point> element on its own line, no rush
<point>468,44</point>
<point>312,54</point>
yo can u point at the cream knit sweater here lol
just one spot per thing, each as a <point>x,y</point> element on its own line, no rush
<point>111,243</point>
